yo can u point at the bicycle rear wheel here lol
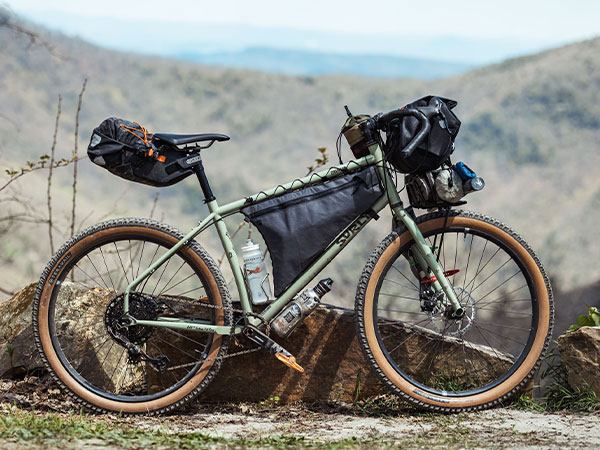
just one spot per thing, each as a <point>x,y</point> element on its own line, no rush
<point>79,301</point>
<point>432,359</point>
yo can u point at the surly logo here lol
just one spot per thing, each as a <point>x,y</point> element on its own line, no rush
<point>58,268</point>
<point>352,229</point>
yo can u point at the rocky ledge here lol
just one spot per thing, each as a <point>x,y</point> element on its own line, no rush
<point>325,344</point>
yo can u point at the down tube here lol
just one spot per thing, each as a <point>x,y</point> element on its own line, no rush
<point>332,251</point>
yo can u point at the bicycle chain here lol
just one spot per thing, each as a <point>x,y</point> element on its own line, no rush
<point>245,315</point>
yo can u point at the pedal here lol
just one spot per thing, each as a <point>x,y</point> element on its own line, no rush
<point>290,361</point>
<point>268,344</point>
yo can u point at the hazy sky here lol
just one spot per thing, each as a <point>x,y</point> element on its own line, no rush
<point>472,31</point>
<point>549,19</point>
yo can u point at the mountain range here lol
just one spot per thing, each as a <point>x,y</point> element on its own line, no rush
<point>530,127</point>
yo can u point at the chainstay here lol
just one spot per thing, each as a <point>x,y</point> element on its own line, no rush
<point>245,315</point>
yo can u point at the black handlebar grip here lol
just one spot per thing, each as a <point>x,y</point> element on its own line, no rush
<point>384,119</point>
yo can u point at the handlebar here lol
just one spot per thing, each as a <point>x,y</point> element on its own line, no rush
<point>383,119</point>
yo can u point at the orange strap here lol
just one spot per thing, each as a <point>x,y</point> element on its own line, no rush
<point>134,131</point>
<point>145,139</point>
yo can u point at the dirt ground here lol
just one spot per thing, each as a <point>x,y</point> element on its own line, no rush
<point>327,425</point>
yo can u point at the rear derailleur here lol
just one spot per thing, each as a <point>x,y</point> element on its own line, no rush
<point>137,355</point>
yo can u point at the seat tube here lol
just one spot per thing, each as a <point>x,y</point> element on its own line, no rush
<point>228,247</point>
<point>231,255</point>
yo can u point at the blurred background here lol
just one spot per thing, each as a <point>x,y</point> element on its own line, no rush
<point>275,77</point>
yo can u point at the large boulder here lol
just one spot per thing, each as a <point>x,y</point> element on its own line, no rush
<point>580,353</point>
<point>325,344</point>
<point>17,349</point>
<point>18,352</point>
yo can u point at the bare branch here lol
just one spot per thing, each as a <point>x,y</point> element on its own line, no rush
<point>75,156</point>
<point>319,162</point>
<point>31,167</point>
<point>154,205</point>
<point>34,38</point>
<point>48,194</point>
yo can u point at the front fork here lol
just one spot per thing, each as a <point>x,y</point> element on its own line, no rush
<point>424,257</point>
<point>426,260</point>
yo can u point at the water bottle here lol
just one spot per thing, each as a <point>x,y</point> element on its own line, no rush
<point>305,303</point>
<point>256,273</point>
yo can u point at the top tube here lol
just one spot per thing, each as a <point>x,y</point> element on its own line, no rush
<point>314,178</point>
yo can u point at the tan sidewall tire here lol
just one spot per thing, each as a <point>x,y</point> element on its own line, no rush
<point>70,382</point>
<point>522,372</point>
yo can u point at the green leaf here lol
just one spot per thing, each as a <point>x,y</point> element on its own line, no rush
<point>582,321</point>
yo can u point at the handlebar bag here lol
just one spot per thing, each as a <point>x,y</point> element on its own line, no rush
<point>437,146</point>
<point>126,149</point>
<point>299,225</point>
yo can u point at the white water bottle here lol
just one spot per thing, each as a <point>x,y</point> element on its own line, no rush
<point>256,272</point>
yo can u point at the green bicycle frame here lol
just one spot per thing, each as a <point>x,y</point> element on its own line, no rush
<point>421,251</point>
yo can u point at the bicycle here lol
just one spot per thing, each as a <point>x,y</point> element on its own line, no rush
<point>463,289</point>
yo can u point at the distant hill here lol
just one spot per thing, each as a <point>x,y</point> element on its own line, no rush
<point>530,127</point>
<point>297,62</point>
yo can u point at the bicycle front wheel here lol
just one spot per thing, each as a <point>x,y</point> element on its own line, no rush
<point>105,365</point>
<point>416,346</point>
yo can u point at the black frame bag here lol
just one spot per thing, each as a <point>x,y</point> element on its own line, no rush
<point>436,148</point>
<point>299,225</point>
<point>125,149</point>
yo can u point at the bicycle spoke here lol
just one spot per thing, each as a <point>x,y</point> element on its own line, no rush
<point>151,262</point>
<point>500,285</point>
<point>179,282</point>
<point>161,275</point>
<point>171,279</point>
<point>186,337</point>
<point>90,277</point>
<point>400,296</point>
<point>107,271</point>
<point>395,282</point>
<point>137,273</point>
<point>122,266</point>
<point>407,279</point>
<point>477,340</point>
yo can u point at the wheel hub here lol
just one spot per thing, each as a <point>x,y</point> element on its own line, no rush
<point>141,306</point>
<point>441,313</point>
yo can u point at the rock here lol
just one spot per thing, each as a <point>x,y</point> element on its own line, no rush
<point>16,334</point>
<point>325,344</point>
<point>580,353</point>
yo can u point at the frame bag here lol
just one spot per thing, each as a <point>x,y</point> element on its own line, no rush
<point>299,225</point>
<point>438,145</point>
<point>126,149</point>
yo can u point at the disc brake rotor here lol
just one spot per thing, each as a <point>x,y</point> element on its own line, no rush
<point>451,327</point>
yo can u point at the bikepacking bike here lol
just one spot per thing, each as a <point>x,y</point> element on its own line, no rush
<point>453,309</point>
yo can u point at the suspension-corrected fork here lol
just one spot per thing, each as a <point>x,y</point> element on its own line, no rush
<point>426,260</point>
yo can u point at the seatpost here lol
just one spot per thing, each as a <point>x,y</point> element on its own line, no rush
<point>206,190</point>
